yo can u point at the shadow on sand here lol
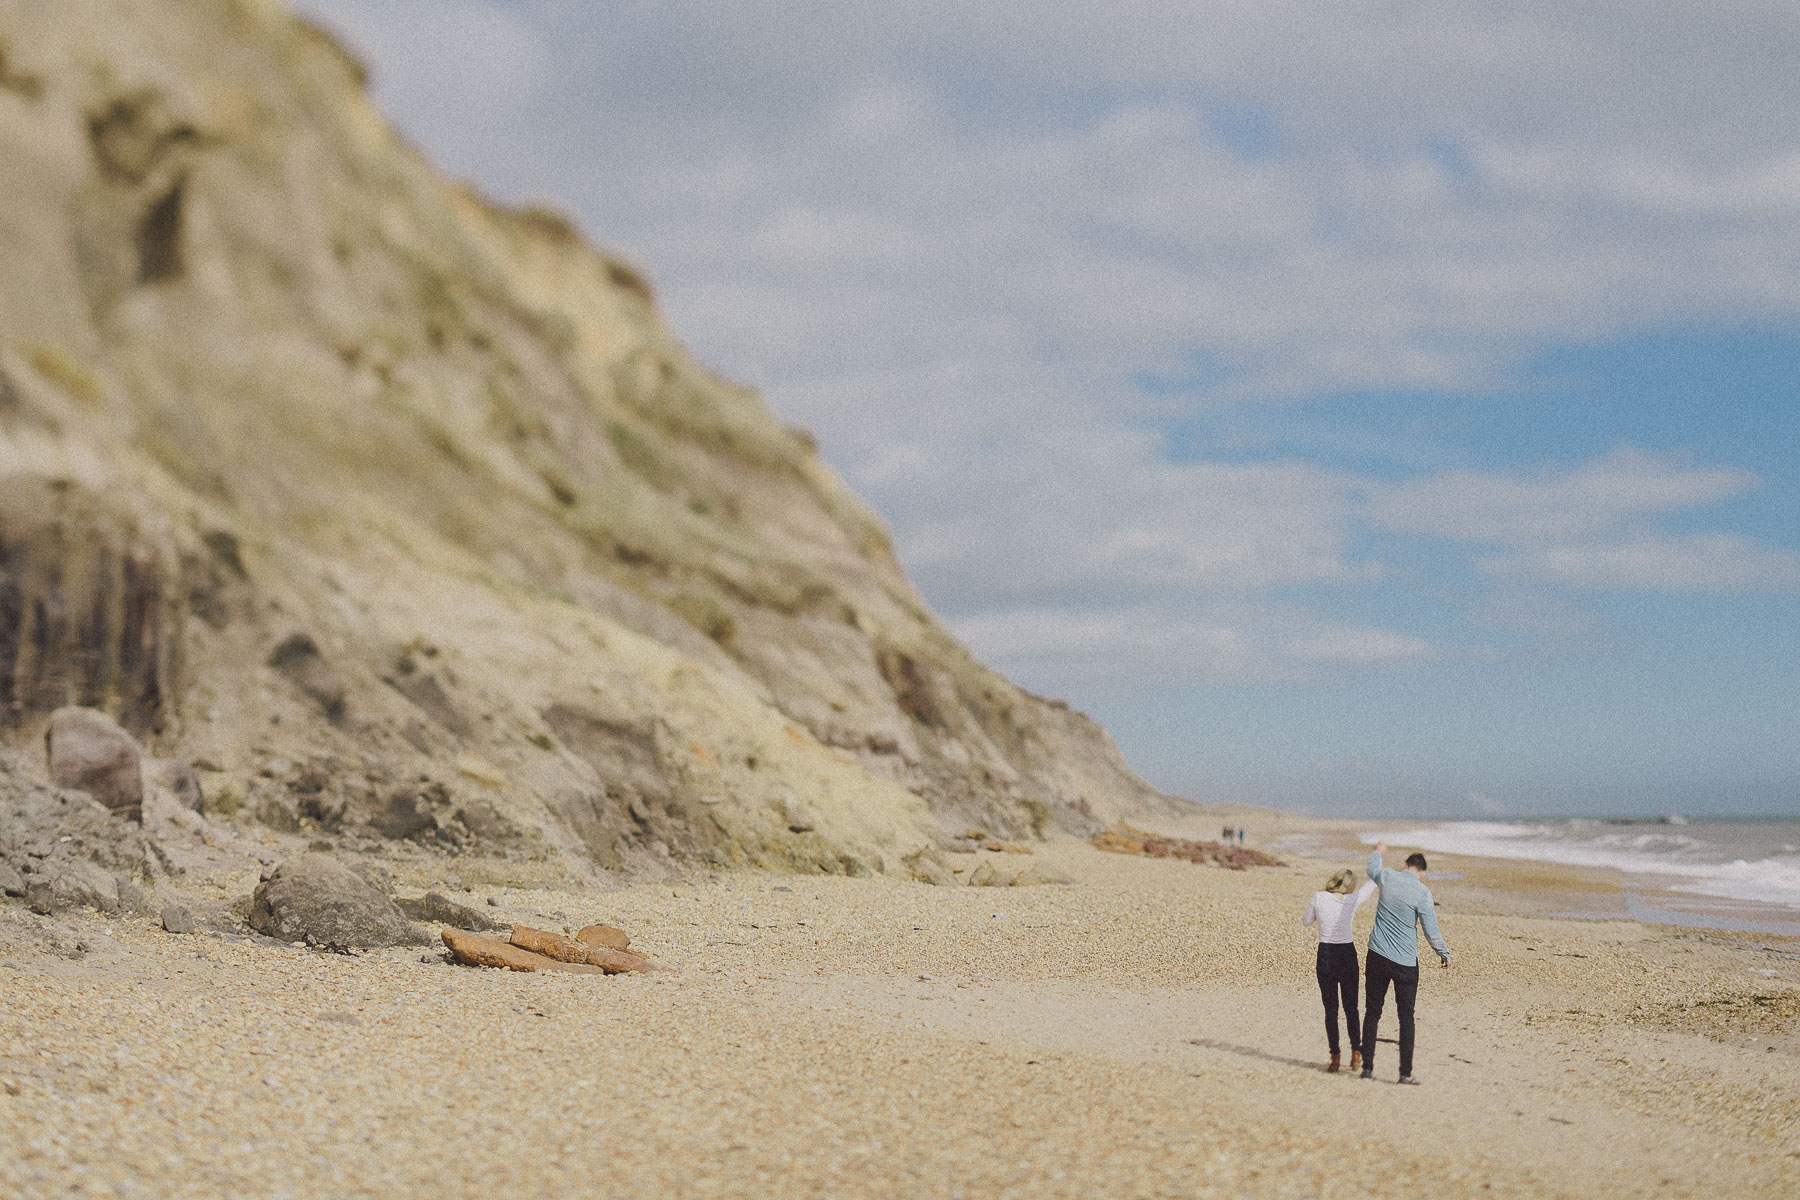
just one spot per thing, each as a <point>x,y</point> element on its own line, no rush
<point>1253,1052</point>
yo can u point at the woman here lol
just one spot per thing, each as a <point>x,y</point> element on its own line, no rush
<point>1333,910</point>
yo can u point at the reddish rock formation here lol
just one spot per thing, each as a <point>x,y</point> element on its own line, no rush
<point>555,945</point>
<point>1123,839</point>
<point>606,937</point>
<point>474,950</point>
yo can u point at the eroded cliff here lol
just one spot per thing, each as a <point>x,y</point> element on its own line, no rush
<point>403,516</point>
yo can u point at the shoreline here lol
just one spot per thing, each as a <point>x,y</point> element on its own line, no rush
<point>1152,1029</point>
<point>1533,886</point>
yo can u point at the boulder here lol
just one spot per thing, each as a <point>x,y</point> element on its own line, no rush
<point>88,751</point>
<point>316,899</point>
<point>793,813</point>
<point>276,810</point>
<point>555,945</point>
<point>177,919</point>
<point>440,909</point>
<point>986,875</point>
<point>41,825</point>
<point>926,867</point>
<point>63,884</point>
<point>1041,873</point>
<point>604,937</point>
<point>928,870</point>
<point>473,950</point>
<point>182,783</point>
<point>132,898</point>
<point>299,660</point>
<point>11,882</point>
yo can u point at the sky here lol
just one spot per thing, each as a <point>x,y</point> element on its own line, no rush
<point>1358,407</point>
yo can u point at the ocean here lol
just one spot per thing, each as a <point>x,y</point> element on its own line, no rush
<point>1753,866</point>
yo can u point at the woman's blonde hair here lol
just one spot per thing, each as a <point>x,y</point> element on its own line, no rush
<point>1341,883</point>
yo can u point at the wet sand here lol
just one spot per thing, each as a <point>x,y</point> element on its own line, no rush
<point>1153,1030</point>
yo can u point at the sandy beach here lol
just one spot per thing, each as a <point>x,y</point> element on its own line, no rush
<point>1152,1030</point>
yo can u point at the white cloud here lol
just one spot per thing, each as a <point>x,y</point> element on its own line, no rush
<point>1145,647</point>
<point>1591,527</point>
<point>1552,505</point>
<point>1442,185</point>
<point>1694,564</point>
<point>948,237</point>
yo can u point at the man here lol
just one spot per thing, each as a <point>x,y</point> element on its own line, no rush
<point>1405,905</point>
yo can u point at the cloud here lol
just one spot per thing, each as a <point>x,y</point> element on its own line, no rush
<point>1691,564</point>
<point>1591,527</point>
<point>1552,505</point>
<point>1438,189</point>
<point>1148,646</point>
<point>955,240</point>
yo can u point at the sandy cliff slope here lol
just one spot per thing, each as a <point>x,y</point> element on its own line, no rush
<point>403,516</point>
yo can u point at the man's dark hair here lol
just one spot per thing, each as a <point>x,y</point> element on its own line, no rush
<point>1417,860</point>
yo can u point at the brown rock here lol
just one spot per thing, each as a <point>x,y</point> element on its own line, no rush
<point>605,937</point>
<point>476,951</point>
<point>90,752</point>
<point>552,945</point>
<point>622,962</point>
<point>1123,839</point>
<point>1118,843</point>
<point>555,945</point>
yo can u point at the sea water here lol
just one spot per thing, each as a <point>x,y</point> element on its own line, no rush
<point>1754,862</point>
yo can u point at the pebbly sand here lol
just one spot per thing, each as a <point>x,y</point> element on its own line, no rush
<point>1153,1030</point>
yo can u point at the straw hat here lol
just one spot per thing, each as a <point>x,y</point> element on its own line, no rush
<point>1342,883</point>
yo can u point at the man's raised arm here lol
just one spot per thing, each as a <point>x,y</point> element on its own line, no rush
<point>1375,861</point>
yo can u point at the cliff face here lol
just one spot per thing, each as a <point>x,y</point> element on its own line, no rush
<point>402,515</point>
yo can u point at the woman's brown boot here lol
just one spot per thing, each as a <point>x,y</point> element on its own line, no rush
<point>1356,1060</point>
<point>1333,1068</point>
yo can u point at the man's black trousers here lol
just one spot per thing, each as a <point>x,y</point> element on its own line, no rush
<point>1337,977</point>
<point>1379,972</point>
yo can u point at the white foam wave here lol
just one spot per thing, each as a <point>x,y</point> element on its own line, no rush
<point>1677,861</point>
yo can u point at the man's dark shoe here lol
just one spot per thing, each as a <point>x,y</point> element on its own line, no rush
<point>1368,1073</point>
<point>1409,1081</point>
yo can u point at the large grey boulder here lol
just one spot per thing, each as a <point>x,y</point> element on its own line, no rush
<point>317,900</point>
<point>63,884</point>
<point>88,751</point>
<point>439,908</point>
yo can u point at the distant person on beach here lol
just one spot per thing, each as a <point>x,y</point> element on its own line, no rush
<point>1240,835</point>
<point>1405,906</point>
<point>1333,910</point>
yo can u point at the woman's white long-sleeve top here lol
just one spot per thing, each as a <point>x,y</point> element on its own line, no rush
<point>1333,914</point>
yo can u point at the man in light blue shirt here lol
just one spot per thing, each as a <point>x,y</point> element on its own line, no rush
<point>1405,907</point>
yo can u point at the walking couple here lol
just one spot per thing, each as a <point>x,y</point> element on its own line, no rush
<point>1393,958</point>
